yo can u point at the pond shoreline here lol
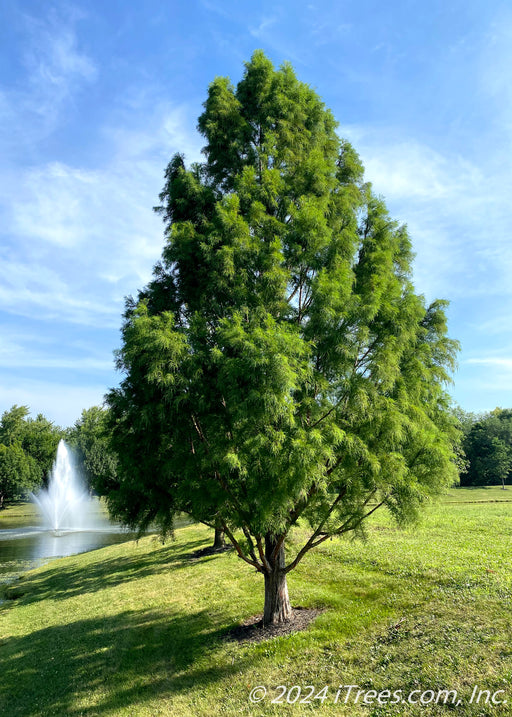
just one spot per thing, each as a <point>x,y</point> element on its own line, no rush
<point>26,544</point>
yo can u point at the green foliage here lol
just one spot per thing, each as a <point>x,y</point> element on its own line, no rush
<point>279,365</point>
<point>12,425</point>
<point>19,472</point>
<point>40,439</point>
<point>91,441</point>
<point>488,447</point>
<point>28,450</point>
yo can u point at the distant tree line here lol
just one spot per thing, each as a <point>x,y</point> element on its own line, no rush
<point>487,445</point>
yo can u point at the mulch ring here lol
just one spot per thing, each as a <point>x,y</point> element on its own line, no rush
<point>210,550</point>
<point>253,630</point>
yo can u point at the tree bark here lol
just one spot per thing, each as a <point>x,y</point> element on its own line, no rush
<point>219,542</point>
<point>277,603</point>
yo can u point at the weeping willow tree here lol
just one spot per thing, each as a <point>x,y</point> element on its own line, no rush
<point>279,367</point>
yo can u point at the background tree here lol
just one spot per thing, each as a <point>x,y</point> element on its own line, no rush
<point>91,441</point>
<point>28,450</point>
<point>280,366</point>
<point>12,425</point>
<point>466,419</point>
<point>19,472</point>
<point>488,447</point>
<point>40,439</point>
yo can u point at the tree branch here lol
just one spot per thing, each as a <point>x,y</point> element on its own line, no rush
<point>305,548</point>
<point>236,503</point>
<point>251,544</point>
<point>239,550</point>
<point>262,554</point>
<point>295,514</point>
<point>353,527</point>
<point>333,408</point>
<point>345,528</point>
<point>199,431</point>
<point>293,293</point>
<point>278,546</point>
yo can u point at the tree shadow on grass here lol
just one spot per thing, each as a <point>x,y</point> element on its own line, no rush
<point>99,666</point>
<point>60,582</point>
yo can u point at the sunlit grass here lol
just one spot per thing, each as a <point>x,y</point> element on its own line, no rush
<point>478,493</point>
<point>17,515</point>
<point>139,628</point>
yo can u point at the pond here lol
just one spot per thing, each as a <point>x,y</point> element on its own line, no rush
<point>26,544</point>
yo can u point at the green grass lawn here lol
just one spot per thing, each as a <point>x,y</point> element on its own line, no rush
<point>18,515</point>
<point>140,628</point>
<point>477,493</point>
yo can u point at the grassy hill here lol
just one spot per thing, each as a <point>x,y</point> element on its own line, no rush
<point>142,628</point>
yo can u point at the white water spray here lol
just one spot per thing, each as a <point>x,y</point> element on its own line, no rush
<point>66,505</point>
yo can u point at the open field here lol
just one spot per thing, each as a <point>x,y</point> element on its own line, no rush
<point>478,494</point>
<point>140,628</point>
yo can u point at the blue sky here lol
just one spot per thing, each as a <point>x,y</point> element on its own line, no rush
<point>95,97</point>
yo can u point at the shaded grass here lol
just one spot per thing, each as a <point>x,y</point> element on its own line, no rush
<point>139,628</point>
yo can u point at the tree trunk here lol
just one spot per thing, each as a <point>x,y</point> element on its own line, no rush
<point>277,603</point>
<point>1,500</point>
<point>219,542</point>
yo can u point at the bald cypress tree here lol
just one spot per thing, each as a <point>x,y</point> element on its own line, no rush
<point>279,367</point>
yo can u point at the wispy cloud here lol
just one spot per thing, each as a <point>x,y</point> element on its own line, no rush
<point>18,350</point>
<point>504,363</point>
<point>75,236</point>
<point>499,323</point>
<point>52,55</point>
<point>494,75</point>
<point>56,69</point>
<point>269,31</point>
<point>76,240</point>
<point>33,289</point>
<point>452,207</point>
<point>261,30</point>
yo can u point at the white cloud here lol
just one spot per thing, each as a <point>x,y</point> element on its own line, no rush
<point>57,69</point>
<point>265,24</point>
<point>499,323</point>
<point>77,240</point>
<point>19,352</point>
<point>494,75</point>
<point>52,204</point>
<point>457,212</point>
<point>54,59</point>
<point>410,170</point>
<point>56,65</point>
<point>32,289</point>
<point>503,363</point>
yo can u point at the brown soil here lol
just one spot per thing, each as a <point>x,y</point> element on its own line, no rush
<point>253,630</point>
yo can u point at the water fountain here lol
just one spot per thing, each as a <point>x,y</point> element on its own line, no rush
<point>71,522</point>
<point>66,505</point>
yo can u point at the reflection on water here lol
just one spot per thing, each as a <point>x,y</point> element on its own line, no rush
<point>27,547</point>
